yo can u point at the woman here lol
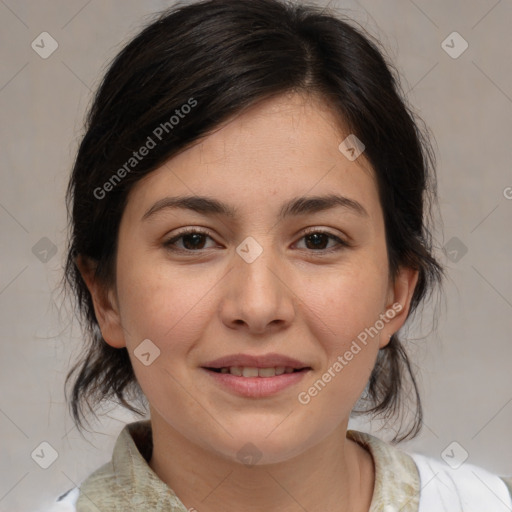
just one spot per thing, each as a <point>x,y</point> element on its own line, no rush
<point>248,215</point>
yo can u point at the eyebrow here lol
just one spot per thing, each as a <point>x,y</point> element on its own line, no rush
<point>295,207</point>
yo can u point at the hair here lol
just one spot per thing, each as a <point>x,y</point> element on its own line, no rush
<point>223,56</point>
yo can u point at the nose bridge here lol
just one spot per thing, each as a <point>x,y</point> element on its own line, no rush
<point>257,294</point>
<point>256,267</point>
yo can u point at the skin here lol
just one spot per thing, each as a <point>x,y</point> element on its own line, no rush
<point>292,300</point>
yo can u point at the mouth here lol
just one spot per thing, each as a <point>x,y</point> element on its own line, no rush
<point>251,382</point>
<point>252,371</point>
<point>255,376</point>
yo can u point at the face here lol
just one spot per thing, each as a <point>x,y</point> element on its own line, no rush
<point>269,274</point>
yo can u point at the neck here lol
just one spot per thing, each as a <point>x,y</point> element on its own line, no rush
<point>336,475</point>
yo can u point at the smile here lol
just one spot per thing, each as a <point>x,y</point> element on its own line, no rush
<point>249,371</point>
<point>252,382</point>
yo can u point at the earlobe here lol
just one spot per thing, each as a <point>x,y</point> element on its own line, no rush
<point>105,304</point>
<point>399,302</point>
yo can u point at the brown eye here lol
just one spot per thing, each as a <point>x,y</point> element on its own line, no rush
<point>319,240</point>
<point>192,240</point>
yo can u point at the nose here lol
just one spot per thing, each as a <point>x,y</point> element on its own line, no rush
<point>258,295</point>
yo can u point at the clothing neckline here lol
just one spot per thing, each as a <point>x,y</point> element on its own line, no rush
<point>129,477</point>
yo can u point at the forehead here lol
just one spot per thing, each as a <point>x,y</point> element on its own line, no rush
<point>284,146</point>
<point>289,127</point>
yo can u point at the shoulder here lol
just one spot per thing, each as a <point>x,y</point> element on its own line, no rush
<point>460,487</point>
<point>426,484</point>
<point>134,442</point>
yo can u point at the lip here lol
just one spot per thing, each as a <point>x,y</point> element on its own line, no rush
<point>256,387</point>
<point>271,360</point>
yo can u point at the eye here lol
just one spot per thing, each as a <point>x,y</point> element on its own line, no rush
<point>317,239</point>
<point>192,240</point>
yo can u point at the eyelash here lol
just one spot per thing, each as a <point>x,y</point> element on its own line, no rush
<point>169,244</point>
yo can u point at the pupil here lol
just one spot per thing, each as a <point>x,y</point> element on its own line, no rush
<point>196,237</point>
<point>317,240</point>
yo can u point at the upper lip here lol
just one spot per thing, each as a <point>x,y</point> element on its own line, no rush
<point>248,361</point>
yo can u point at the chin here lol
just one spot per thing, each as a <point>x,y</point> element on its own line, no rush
<point>257,448</point>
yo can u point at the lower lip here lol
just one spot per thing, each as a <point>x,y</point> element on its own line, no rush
<point>256,387</point>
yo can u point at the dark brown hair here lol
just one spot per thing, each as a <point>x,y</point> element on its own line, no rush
<point>227,55</point>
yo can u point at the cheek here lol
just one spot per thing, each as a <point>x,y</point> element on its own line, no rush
<point>348,301</point>
<point>168,306</point>
<point>172,310</point>
<point>341,317</point>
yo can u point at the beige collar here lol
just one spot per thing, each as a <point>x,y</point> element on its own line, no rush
<point>128,483</point>
<point>397,481</point>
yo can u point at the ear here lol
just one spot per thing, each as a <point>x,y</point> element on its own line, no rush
<point>105,304</point>
<point>398,303</point>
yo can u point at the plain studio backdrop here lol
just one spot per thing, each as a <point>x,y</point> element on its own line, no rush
<point>454,57</point>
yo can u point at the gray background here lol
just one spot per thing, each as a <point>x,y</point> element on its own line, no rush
<point>467,103</point>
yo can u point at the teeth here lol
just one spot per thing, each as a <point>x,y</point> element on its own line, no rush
<point>249,371</point>
<point>266,372</point>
